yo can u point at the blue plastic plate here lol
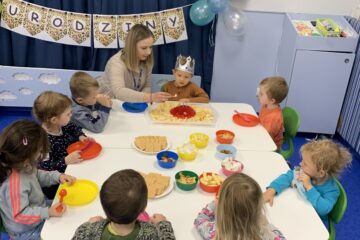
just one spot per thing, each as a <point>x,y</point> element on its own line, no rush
<point>134,107</point>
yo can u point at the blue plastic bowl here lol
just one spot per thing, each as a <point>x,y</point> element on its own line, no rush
<point>134,107</point>
<point>168,154</point>
<point>225,151</point>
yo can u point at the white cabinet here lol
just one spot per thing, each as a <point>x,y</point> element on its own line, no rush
<point>317,70</point>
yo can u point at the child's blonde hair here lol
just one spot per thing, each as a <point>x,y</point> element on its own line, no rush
<point>239,209</point>
<point>81,84</point>
<point>328,156</point>
<point>276,88</point>
<point>22,145</point>
<point>137,33</point>
<point>50,104</point>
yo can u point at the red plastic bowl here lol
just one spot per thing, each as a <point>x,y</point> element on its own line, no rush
<point>208,188</point>
<point>88,150</point>
<point>221,139</point>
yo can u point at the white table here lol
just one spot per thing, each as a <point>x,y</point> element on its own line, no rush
<point>289,213</point>
<point>123,127</point>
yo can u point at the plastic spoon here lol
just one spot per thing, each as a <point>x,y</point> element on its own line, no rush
<point>87,145</point>
<point>62,194</point>
<point>243,116</point>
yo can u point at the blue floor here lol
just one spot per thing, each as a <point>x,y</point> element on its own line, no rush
<point>350,179</point>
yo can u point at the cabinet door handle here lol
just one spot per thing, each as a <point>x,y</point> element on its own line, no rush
<point>346,60</point>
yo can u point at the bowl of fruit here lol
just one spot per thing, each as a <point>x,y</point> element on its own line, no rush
<point>187,152</point>
<point>210,182</point>
<point>225,136</point>
<point>200,140</point>
<point>186,180</point>
<point>167,159</point>
<point>230,166</point>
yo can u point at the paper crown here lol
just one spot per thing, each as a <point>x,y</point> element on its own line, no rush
<point>188,66</point>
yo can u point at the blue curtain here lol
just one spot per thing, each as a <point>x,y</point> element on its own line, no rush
<point>350,113</point>
<point>18,50</point>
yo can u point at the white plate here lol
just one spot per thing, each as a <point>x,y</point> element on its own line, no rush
<point>167,191</point>
<point>166,148</point>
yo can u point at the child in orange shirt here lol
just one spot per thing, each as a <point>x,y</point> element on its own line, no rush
<point>271,92</point>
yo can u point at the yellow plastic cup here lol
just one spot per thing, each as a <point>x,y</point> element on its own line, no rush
<point>200,140</point>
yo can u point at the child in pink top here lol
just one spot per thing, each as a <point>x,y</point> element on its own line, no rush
<point>271,92</point>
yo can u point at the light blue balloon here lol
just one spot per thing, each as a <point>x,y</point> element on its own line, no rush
<point>200,13</point>
<point>234,21</point>
<point>217,6</point>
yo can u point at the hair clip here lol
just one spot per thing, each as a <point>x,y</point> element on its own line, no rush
<point>25,141</point>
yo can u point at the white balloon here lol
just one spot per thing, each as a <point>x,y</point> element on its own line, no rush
<point>234,21</point>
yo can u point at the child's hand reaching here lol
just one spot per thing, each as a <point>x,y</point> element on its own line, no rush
<point>84,138</point>
<point>73,157</point>
<point>269,195</point>
<point>156,218</point>
<point>104,100</point>
<point>95,219</point>
<point>53,212</point>
<point>64,178</point>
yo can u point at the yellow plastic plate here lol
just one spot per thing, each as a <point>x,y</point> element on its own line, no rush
<point>80,193</point>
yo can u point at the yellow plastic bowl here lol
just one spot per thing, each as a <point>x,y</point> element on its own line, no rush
<point>200,140</point>
<point>187,156</point>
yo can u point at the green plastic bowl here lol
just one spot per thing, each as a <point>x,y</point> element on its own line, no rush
<point>186,187</point>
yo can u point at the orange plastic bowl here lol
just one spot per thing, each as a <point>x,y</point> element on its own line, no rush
<point>209,188</point>
<point>225,136</point>
<point>88,150</point>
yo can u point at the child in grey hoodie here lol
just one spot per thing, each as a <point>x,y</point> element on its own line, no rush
<point>23,207</point>
<point>90,110</point>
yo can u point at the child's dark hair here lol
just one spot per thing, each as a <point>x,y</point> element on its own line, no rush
<point>22,141</point>
<point>50,104</point>
<point>276,88</point>
<point>81,84</point>
<point>123,196</point>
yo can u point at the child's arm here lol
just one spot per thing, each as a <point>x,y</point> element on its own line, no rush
<point>163,227</point>
<point>83,117</point>
<point>48,178</point>
<point>278,185</point>
<point>325,201</point>
<point>198,95</point>
<point>20,189</point>
<point>205,221</point>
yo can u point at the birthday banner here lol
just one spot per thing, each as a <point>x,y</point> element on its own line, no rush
<point>72,28</point>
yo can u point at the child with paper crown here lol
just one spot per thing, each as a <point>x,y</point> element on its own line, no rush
<point>182,89</point>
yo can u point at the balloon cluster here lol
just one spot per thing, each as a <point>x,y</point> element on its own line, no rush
<point>203,12</point>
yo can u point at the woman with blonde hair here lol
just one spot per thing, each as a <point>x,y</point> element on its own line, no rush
<point>127,74</point>
<point>239,213</point>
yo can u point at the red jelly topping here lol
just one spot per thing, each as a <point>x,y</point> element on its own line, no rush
<point>183,111</point>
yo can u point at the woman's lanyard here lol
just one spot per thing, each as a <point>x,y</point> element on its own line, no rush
<point>138,82</point>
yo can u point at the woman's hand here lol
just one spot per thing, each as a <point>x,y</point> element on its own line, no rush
<point>64,178</point>
<point>160,97</point>
<point>269,195</point>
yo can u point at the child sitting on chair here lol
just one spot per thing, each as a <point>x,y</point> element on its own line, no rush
<point>322,161</point>
<point>90,110</point>
<point>271,92</point>
<point>23,207</point>
<point>123,197</point>
<point>182,89</point>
